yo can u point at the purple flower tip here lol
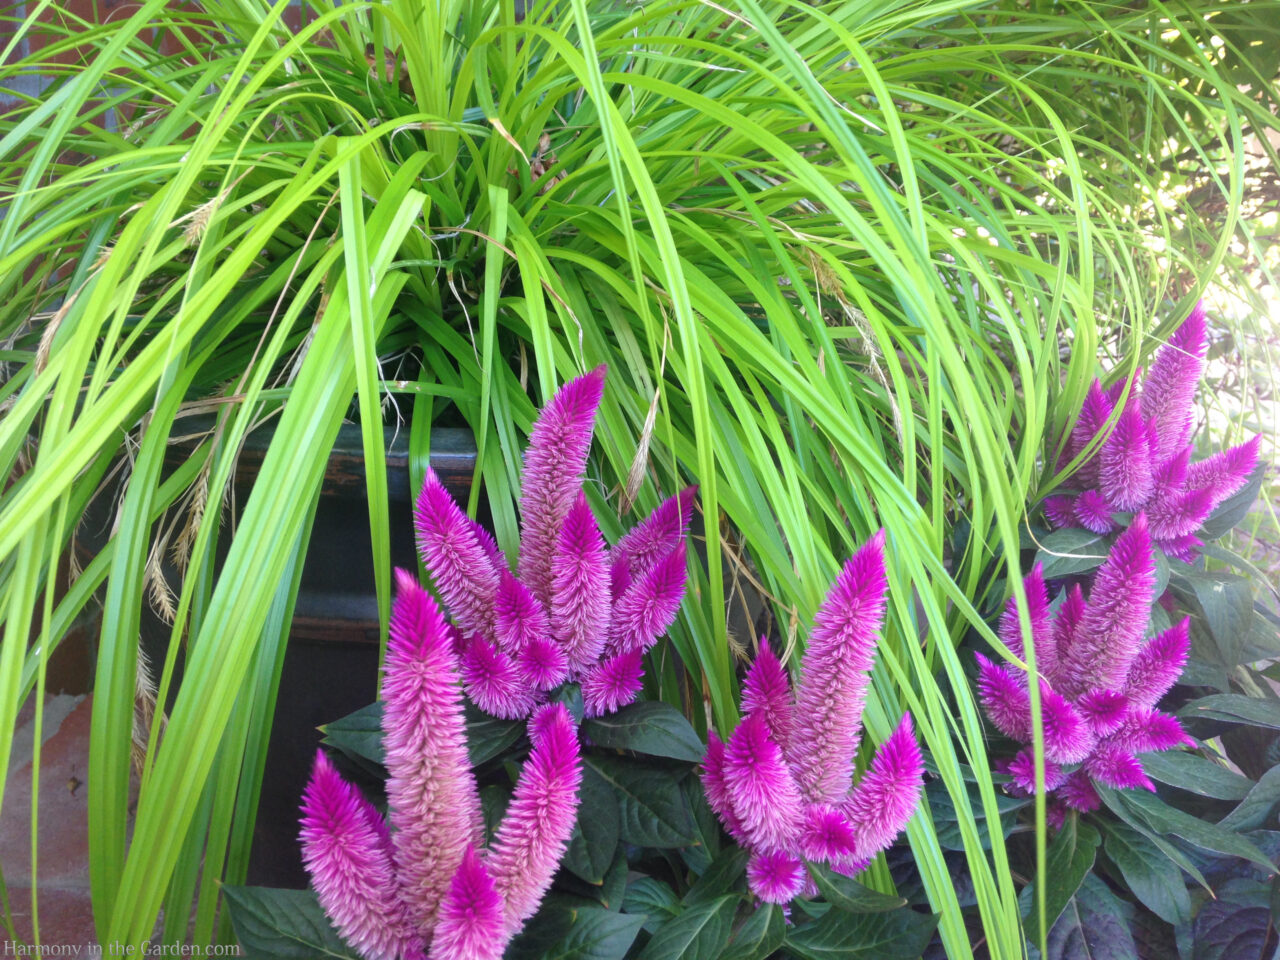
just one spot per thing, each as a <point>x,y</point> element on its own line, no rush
<point>1067,738</point>
<point>613,683</point>
<point>776,876</point>
<point>888,793</point>
<point>1117,768</point>
<point>1004,697</point>
<point>764,796</point>
<point>494,681</point>
<point>1093,512</point>
<point>1103,710</point>
<point>470,926</point>
<point>767,691</point>
<point>827,836</point>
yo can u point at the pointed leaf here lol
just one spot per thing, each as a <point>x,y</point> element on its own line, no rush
<point>652,812</point>
<point>759,936</point>
<point>561,931</point>
<point>595,835</point>
<point>847,894</point>
<point>893,935</point>
<point>1147,873</point>
<point>274,923</point>
<point>1067,862</point>
<point>651,727</point>
<point>699,933</point>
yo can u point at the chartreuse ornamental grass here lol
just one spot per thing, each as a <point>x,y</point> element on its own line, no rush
<point>828,252</point>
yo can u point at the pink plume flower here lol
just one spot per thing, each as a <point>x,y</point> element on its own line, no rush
<point>826,835</point>
<point>649,605</point>
<point>495,682</point>
<point>471,923</point>
<point>1126,475</point>
<point>519,619</point>
<point>1109,633</point>
<point>887,795</point>
<point>1143,464</point>
<point>716,788</point>
<point>435,808</point>
<point>1038,615</point>
<point>772,785</point>
<point>459,562</point>
<point>1169,389</point>
<point>580,587</point>
<point>577,609</point>
<point>553,465</point>
<point>762,791</point>
<point>392,895</point>
<point>613,683</point>
<point>657,535</point>
<point>767,692</point>
<point>776,876</point>
<point>1158,665</point>
<point>1060,511</point>
<point>834,675</point>
<point>1005,698</point>
<point>1097,701</point>
<point>350,867</point>
<point>535,832</point>
<point>1093,512</point>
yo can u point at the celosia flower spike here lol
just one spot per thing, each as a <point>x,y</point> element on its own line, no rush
<point>886,796</point>
<point>1093,416</point>
<point>649,605</point>
<point>1038,616</point>
<point>767,692</point>
<point>350,867</point>
<point>762,791</point>
<point>471,923</point>
<point>773,785</point>
<point>1226,472</point>
<point>1126,475</point>
<point>654,537</point>
<point>1004,696</point>
<point>1170,387</point>
<point>580,587</point>
<point>435,808</point>
<point>1110,630</point>
<point>613,683</point>
<point>1158,665</point>
<point>535,831</point>
<point>497,684</point>
<point>553,466</point>
<point>458,560</point>
<point>834,676</point>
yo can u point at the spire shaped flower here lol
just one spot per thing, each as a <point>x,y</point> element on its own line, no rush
<point>428,887</point>
<point>1100,680</point>
<point>576,610</point>
<point>782,784</point>
<point>1143,464</point>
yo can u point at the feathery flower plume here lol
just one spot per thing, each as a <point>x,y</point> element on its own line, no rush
<point>427,887</point>
<point>783,784</point>
<point>350,866</point>
<point>1097,701</point>
<point>577,611</point>
<point>1143,465</point>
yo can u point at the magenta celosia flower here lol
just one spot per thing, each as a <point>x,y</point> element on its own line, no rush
<point>782,784</point>
<point>578,611</point>
<point>1099,681</point>
<point>1144,463</point>
<point>350,866</point>
<point>428,888</point>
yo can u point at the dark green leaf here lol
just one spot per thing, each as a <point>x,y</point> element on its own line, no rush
<point>892,935</point>
<point>358,734</point>
<point>720,878</point>
<point>1195,774</point>
<point>700,932</point>
<point>1234,708</point>
<point>595,835</point>
<point>759,936</point>
<point>494,800</point>
<point>651,810</point>
<point>487,736</point>
<point>1094,926</point>
<point>1148,873</point>
<point>1235,926</point>
<point>1067,861</point>
<point>570,694</point>
<point>847,894</point>
<point>271,923</point>
<point>946,823</point>
<point>1064,552</point>
<point>1227,602</point>
<point>706,826</point>
<point>1162,818</point>
<point>1255,809</point>
<point>651,727</point>
<point>645,895</point>
<point>563,932</point>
